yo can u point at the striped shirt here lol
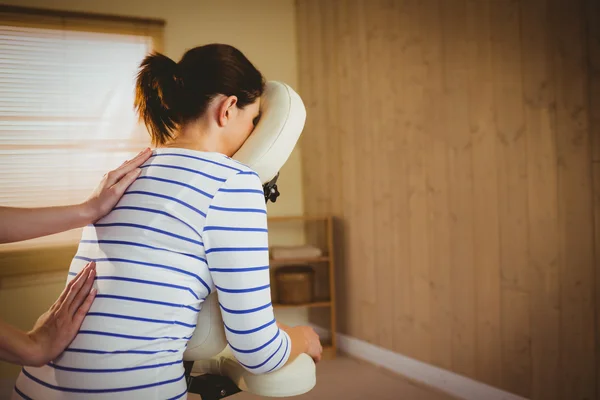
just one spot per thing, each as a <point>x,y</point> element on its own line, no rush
<point>193,222</point>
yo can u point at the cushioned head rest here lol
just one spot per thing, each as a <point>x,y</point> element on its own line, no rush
<point>271,142</point>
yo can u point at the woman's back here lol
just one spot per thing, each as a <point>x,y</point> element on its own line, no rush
<point>153,274</point>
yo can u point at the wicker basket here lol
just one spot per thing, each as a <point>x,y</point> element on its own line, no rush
<point>295,284</point>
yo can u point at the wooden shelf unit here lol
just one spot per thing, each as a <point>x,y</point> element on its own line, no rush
<point>325,235</point>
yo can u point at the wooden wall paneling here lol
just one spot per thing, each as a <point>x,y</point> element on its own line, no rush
<point>381,128</point>
<point>403,317</point>
<point>593,40</point>
<point>310,141</point>
<point>494,90</point>
<point>539,95</point>
<point>512,191</point>
<point>365,174</point>
<point>412,75</point>
<point>306,79</point>
<point>318,110</point>
<point>441,303</point>
<point>332,106</point>
<point>596,187</point>
<point>420,146</point>
<point>419,244</point>
<point>486,231</point>
<point>320,137</point>
<point>575,209</point>
<point>349,96</point>
<point>322,134</point>
<point>335,112</point>
<point>460,184</point>
<point>317,143</point>
<point>442,317</point>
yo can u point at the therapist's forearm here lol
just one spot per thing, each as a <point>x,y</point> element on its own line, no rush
<point>18,224</point>
<point>16,346</point>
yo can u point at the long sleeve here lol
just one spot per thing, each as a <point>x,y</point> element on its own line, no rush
<point>236,245</point>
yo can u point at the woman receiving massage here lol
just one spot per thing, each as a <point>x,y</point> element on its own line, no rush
<point>194,222</point>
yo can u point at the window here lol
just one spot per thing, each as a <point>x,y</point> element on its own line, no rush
<point>66,106</point>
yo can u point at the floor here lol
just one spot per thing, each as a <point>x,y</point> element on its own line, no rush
<point>349,379</point>
<point>340,379</point>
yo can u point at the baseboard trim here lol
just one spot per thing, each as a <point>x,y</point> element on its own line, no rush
<point>449,382</point>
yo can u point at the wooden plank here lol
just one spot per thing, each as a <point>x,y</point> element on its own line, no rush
<point>403,318</point>
<point>332,283</point>
<point>512,191</point>
<point>364,132</point>
<point>460,184</point>
<point>320,103</point>
<point>379,18</point>
<point>539,97</point>
<point>442,312</point>
<point>596,189</point>
<point>437,189</point>
<point>347,76</point>
<point>413,75</point>
<point>306,79</point>
<point>593,50</point>
<point>577,347</point>
<point>419,244</point>
<point>332,137</point>
<point>334,182</point>
<point>486,240</point>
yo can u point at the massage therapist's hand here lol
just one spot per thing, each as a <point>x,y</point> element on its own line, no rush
<point>18,223</point>
<point>113,185</point>
<point>55,329</point>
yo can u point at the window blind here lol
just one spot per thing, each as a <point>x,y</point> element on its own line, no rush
<point>66,109</point>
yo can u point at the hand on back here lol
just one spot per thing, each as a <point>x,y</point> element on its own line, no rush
<point>113,185</point>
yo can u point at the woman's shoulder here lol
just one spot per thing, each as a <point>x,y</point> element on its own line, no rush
<point>210,170</point>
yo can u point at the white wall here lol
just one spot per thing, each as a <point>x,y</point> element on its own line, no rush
<point>264,30</point>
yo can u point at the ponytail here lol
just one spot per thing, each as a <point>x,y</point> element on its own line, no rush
<point>156,96</point>
<point>169,95</point>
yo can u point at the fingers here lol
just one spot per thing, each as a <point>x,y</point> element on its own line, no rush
<point>74,289</point>
<point>80,275</point>
<point>83,291</point>
<point>83,310</point>
<point>128,166</point>
<point>120,187</point>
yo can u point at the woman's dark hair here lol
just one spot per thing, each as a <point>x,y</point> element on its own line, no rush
<point>169,94</point>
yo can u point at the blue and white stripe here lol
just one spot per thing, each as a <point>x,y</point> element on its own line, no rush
<point>192,223</point>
